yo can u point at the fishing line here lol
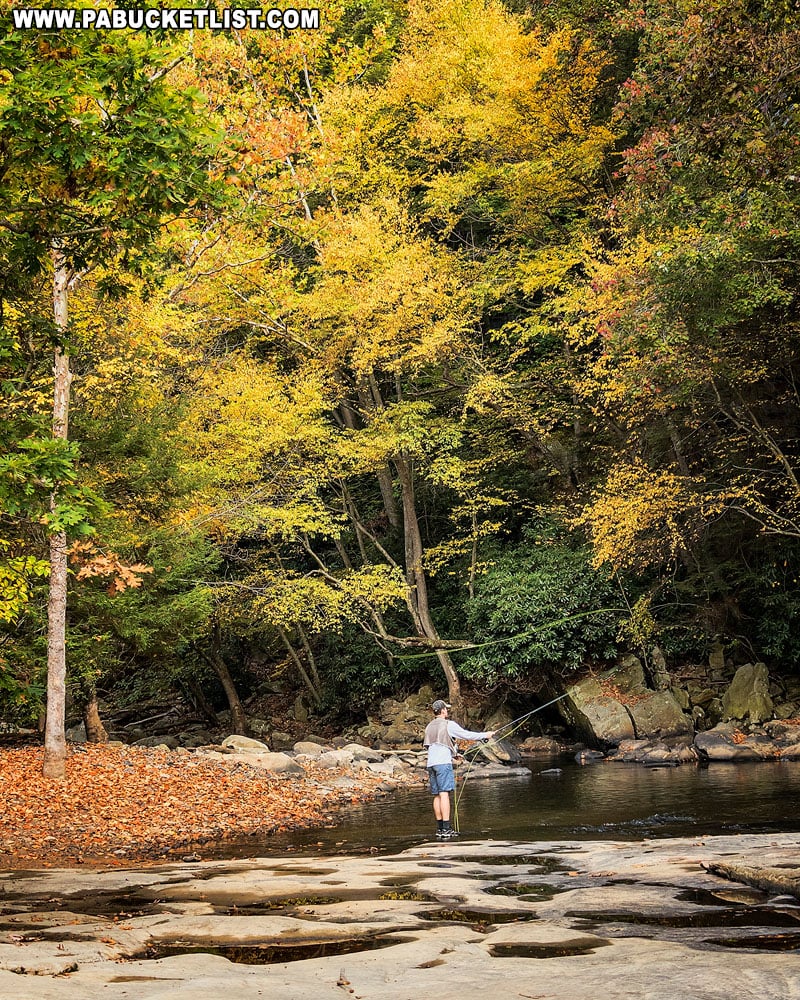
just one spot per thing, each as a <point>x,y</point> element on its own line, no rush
<point>517,724</point>
<point>510,638</point>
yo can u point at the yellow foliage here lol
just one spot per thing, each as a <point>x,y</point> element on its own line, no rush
<point>641,518</point>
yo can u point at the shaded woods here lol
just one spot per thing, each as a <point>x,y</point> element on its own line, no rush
<point>453,342</point>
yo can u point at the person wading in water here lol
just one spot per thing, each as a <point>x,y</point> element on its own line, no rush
<point>439,735</point>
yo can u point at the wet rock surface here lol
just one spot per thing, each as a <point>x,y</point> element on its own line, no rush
<point>559,920</point>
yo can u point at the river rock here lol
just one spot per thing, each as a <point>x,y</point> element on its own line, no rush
<point>540,745</point>
<point>243,744</point>
<point>362,753</point>
<point>168,742</point>
<point>748,696</point>
<point>725,743</point>
<point>599,718</point>
<point>309,748</point>
<point>629,676</point>
<point>660,715</point>
<point>336,758</point>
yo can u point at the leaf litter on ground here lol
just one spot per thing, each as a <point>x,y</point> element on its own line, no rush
<point>120,803</point>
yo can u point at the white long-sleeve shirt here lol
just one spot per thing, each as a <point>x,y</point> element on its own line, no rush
<point>440,753</point>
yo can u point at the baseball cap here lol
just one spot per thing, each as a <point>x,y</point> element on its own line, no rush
<point>438,705</point>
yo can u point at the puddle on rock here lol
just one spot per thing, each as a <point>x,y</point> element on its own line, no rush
<point>271,905</point>
<point>123,904</point>
<point>543,950</point>
<point>543,862</point>
<point>413,895</point>
<point>723,897</point>
<point>718,917</point>
<point>254,954</point>
<point>526,890</point>
<point>482,918</point>
<point>760,942</point>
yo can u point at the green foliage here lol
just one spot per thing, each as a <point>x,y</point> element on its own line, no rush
<point>525,604</point>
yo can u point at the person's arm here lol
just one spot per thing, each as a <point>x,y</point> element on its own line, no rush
<point>466,734</point>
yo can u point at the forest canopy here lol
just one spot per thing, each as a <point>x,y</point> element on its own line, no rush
<point>453,341</point>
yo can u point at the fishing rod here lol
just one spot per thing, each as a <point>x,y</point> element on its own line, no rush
<point>516,724</point>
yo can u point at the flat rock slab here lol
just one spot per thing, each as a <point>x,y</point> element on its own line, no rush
<point>560,920</point>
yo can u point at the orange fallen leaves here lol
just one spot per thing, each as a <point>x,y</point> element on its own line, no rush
<point>122,803</point>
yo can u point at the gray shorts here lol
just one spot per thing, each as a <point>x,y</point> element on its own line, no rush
<point>442,778</point>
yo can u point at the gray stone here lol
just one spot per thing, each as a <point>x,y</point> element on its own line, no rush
<point>599,719</point>
<point>299,709</point>
<point>446,958</point>
<point>716,657</point>
<point>308,748</point>
<point>702,695</point>
<point>748,696</point>
<point>336,758</point>
<point>682,698</point>
<point>281,740</point>
<point>629,675</point>
<point>259,727</point>
<point>243,744</point>
<point>720,744</point>
<point>168,742</point>
<point>660,715</point>
<point>76,734</point>
<point>360,752</point>
<point>278,763</point>
<point>658,669</point>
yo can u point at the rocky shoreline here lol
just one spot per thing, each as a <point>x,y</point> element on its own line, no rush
<point>547,919</point>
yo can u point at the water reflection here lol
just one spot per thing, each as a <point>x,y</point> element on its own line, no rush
<point>599,801</point>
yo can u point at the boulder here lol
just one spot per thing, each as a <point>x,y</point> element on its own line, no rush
<point>658,669</point>
<point>599,718</point>
<point>725,743</point>
<point>243,744</point>
<point>281,740</point>
<point>336,758</point>
<point>259,727</point>
<point>748,696</point>
<point>309,748</point>
<point>168,742</point>
<point>495,751</point>
<point>629,675</point>
<point>682,697</point>
<point>659,714</point>
<point>278,763</point>
<point>362,753</point>
<point>540,744</point>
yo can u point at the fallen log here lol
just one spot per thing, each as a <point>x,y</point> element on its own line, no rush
<point>773,880</point>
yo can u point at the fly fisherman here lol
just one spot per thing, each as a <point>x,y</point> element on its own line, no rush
<point>442,751</point>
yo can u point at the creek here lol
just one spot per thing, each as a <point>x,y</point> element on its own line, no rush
<point>602,801</point>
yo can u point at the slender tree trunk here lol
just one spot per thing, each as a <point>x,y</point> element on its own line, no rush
<point>55,744</point>
<point>418,584</point>
<point>195,694</point>
<point>315,695</point>
<point>238,717</point>
<point>95,730</point>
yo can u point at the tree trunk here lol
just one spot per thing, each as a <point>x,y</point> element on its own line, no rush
<point>418,584</point>
<point>313,689</point>
<point>95,730</point>
<point>238,717</point>
<point>55,744</point>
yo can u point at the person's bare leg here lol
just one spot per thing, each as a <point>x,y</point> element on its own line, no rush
<point>437,807</point>
<point>444,806</point>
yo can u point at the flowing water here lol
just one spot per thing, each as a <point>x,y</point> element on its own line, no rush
<point>602,801</point>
